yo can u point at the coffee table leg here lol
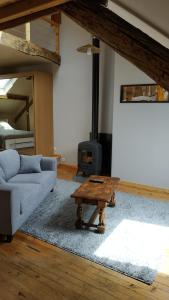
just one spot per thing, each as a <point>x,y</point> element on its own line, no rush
<point>79,221</point>
<point>112,202</point>
<point>101,225</point>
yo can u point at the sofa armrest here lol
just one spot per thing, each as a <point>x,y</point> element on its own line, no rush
<point>48,164</point>
<point>10,208</point>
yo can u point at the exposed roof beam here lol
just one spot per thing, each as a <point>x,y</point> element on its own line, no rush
<point>34,13</point>
<point>28,18</point>
<point>7,2</point>
<point>130,42</point>
<point>19,44</point>
<point>25,8</point>
<point>17,97</point>
<point>10,96</point>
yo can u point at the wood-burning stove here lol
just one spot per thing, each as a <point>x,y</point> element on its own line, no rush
<point>89,158</point>
<point>90,152</point>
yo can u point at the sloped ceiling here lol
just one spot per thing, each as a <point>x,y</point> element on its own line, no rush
<point>22,86</point>
<point>10,107</point>
<point>153,12</point>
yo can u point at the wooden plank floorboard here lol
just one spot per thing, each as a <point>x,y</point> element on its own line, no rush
<point>35,270</point>
<point>38,265</point>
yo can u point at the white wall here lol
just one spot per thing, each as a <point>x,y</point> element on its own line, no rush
<point>72,92</point>
<point>106,88</point>
<point>140,133</point>
<point>43,34</point>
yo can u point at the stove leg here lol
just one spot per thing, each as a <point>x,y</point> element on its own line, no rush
<point>6,238</point>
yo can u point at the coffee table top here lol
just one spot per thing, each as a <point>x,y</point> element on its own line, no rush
<point>97,188</point>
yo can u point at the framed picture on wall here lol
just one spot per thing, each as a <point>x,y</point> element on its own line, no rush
<point>143,93</point>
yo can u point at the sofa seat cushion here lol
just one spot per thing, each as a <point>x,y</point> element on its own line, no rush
<point>10,163</point>
<point>38,178</point>
<point>26,192</point>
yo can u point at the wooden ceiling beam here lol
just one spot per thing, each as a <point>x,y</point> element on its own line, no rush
<point>10,96</point>
<point>130,42</point>
<point>33,14</point>
<point>28,18</point>
<point>25,8</point>
<point>17,97</point>
<point>7,2</point>
<point>19,44</point>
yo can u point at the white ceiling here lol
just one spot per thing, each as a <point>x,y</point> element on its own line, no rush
<point>153,12</point>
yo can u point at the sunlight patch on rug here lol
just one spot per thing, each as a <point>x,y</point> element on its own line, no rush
<point>153,236</point>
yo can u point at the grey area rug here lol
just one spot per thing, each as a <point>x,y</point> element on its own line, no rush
<point>137,231</point>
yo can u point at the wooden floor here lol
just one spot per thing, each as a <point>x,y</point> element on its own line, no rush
<point>32,269</point>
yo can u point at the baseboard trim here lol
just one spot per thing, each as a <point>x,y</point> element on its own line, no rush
<point>130,187</point>
<point>58,156</point>
<point>144,190</point>
<point>68,167</point>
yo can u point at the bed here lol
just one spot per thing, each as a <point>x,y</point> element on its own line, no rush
<point>11,138</point>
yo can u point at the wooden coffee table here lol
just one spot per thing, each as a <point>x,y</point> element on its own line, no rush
<point>99,191</point>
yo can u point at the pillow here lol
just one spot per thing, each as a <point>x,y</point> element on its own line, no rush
<point>30,164</point>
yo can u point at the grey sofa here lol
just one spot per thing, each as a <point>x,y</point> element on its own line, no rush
<point>20,194</point>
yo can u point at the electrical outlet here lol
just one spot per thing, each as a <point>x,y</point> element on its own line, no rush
<point>55,151</point>
<point>62,158</point>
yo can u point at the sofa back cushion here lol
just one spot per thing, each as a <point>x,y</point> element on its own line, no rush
<point>2,181</point>
<point>2,176</point>
<point>9,163</point>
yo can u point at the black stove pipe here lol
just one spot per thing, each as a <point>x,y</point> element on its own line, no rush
<point>95,92</point>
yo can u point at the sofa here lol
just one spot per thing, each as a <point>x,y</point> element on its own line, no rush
<point>22,188</point>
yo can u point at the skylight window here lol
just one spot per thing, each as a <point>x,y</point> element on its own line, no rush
<point>5,85</point>
<point>3,82</point>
